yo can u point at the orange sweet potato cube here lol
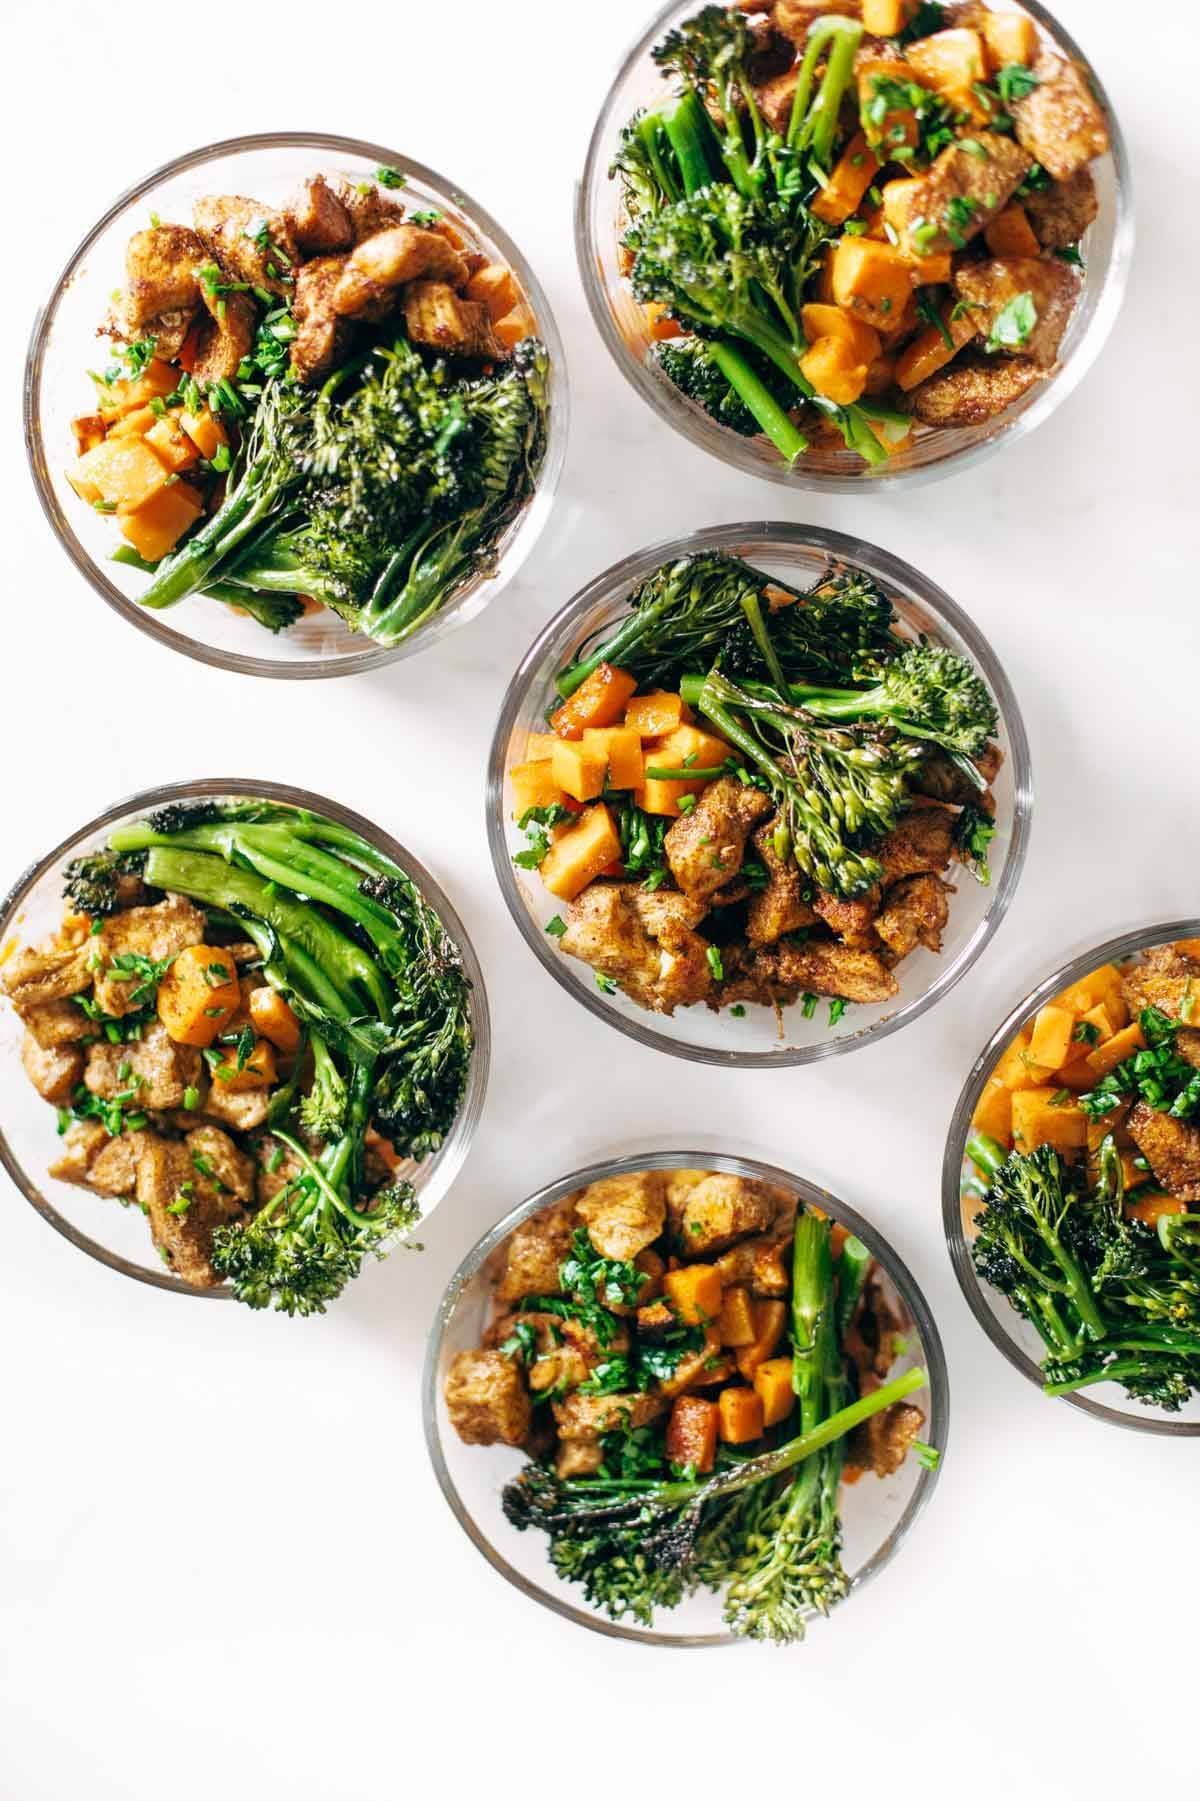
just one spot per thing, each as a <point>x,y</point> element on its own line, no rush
<point>599,700</point>
<point>199,995</point>
<point>695,1293</point>
<point>655,715</point>
<point>533,785</point>
<point>770,1321</point>
<point>578,770</point>
<point>740,1416</point>
<point>692,1433</point>
<point>583,850</point>
<point>737,1317</point>
<point>773,1386</point>
<point>157,525</point>
<point>621,748</point>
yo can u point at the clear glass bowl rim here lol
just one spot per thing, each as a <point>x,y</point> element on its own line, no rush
<point>936,1395</point>
<point>1114,950</point>
<point>373,656</point>
<point>724,444</point>
<point>892,571</point>
<point>456,1146</point>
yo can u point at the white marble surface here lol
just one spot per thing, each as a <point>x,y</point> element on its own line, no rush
<point>224,1564</point>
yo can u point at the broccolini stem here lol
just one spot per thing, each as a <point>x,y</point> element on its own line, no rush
<point>777,424</point>
<point>814,127</point>
<point>690,134</point>
<point>812,1316</point>
<point>854,1266</point>
<point>1121,1370</point>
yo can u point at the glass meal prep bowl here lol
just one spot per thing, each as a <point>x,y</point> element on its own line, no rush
<point>798,554</point>
<point>1107,249</point>
<point>877,1514</point>
<point>107,1231</point>
<point>64,347</point>
<point>1013,1336</point>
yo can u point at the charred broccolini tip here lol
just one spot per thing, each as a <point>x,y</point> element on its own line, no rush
<point>91,884</point>
<point>926,692</point>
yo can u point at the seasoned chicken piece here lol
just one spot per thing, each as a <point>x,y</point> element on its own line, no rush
<point>1166,979</point>
<point>624,1214</point>
<point>853,921</point>
<point>680,1183</point>
<point>780,907</point>
<point>958,195</point>
<point>974,390</point>
<point>54,1071</point>
<point>577,1458</point>
<point>154,1065</point>
<point>434,315</point>
<point>169,330</point>
<point>778,974</point>
<point>222,1172</point>
<point>921,844</point>
<point>705,847</point>
<point>391,259</point>
<point>160,276</point>
<point>1172,1149</point>
<point>155,933</point>
<point>57,1022</point>
<point>643,941</point>
<point>760,1264</point>
<point>535,1253</point>
<point>1062,212</point>
<point>1061,123</point>
<point>31,978</point>
<point>794,17</point>
<point>249,241</point>
<point>590,1416</point>
<point>1187,1044</point>
<point>182,1219</point>
<point>321,336</point>
<point>941,779</point>
<point>318,220</point>
<point>720,1210</point>
<point>776,97</point>
<point>370,210</point>
<point>80,1148</point>
<point>244,1111</point>
<point>916,913</point>
<point>988,287</point>
<point>114,1171</point>
<point>228,337</point>
<point>487,1400</point>
<point>882,1443</point>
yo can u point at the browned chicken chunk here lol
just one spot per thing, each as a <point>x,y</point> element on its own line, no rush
<point>54,1071</point>
<point>321,335</point>
<point>1061,123</point>
<point>228,337</point>
<point>921,844</point>
<point>916,913</point>
<point>154,1066</point>
<point>853,921</point>
<point>57,1022</point>
<point>883,1442</point>
<point>941,779</point>
<point>155,933</point>
<point>221,1170</point>
<point>589,1417</point>
<point>1172,1149</point>
<point>624,1214</point>
<point>643,941</point>
<point>82,1145</point>
<point>776,975</point>
<point>245,1111</point>
<point>318,220</point>
<point>536,1252</point>
<point>31,978</point>
<point>794,17</point>
<point>780,907</point>
<point>577,1458</point>
<point>973,390</point>
<point>1063,211</point>
<point>706,847</point>
<point>487,1400</point>
<point>720,1210</point>
<point>370,210</point>
<point>435,315</point>
<point>182,1219</point>
<point>249,241</point>
<point>1166,979</point>
<point>160,275</point>
<point>389,260</point>
<point>958,195</point>
<point>988,287</point>
<point>114,1170</point>
<point>759,1264</point>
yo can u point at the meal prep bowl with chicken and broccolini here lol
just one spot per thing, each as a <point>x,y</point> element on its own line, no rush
<point>258,1023</point>
<point>746,786</point>
<point>653,1390</point>
<point>327,412</point>
<point>853,239</point>
<point>1072,1182</point>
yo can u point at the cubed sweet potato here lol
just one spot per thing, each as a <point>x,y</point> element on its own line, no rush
<point>873,281</point>
<point>206,432</point>
<point>124,472</point>
<point>852,175</point>
<point>737,1317</point>
<point>533,785</point>
<point>820,321</point>
<point>584,849</point>
<point>578,770</point>
<point>773,1386</point>
<point>887,18</point>
<point>1011,234</point>
<point>1154,1207</point>
<point>495,287</point>
<point>539,747</point>
<point>1047,1116</point>
<point>740,1416</point>
<point>599,700</point>
<point>1114,1050</point>
<point>135,424</point>
<point>1009,37</point>
<point>258,1071</point>
<point>993,1115</point>
<point>932,349</point>
<point>770,1321</point>
<point>692,1433</point>
<point>173,448</point>
<point>695,1293</point>
<point>1053,1031</point>
<point>655,715</point>
<point>835,370</point>
<point>155,382</point>
<point>621,748</point>
<point>883,121</point>
<point>1016,1067</point>
<point>199,995</point>
<point>952,63</point>
<point>158,524</point>
<point>273,1019</point>
<point>514,327</point>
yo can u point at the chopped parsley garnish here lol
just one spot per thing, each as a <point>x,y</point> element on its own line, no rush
<point>1016,82</point>
<point>1013,324</point>
<point>390,178</point>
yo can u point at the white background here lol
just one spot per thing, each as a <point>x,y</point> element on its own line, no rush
<point>224,1564</point>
